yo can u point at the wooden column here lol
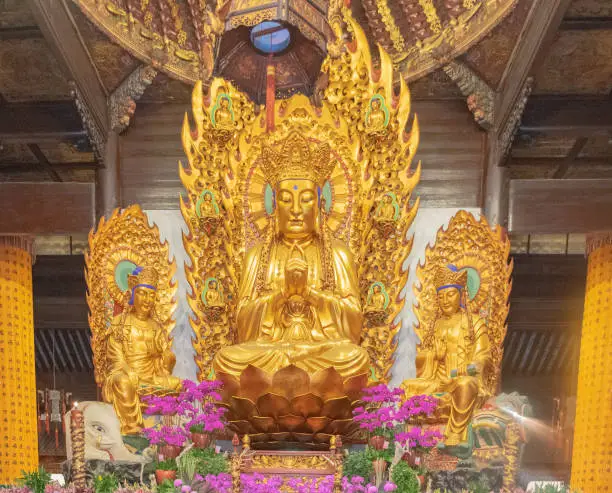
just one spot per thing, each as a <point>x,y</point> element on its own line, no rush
<point>591,464</point>
<point>18,412</point>
<point>108,184</point>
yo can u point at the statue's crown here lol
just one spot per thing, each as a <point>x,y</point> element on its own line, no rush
<point>143,275</point>
<point>450,277</point>
<point>297,158</point>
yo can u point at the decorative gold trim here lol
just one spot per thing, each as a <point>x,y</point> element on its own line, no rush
<point>399,44</point>
<point>432,15</point>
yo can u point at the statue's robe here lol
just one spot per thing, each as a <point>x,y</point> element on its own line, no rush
<point>140,348</point>
<point>319,332</point>
<point>460,394</point>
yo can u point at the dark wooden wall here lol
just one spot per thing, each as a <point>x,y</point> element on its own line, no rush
<point>452,152</point>
<point>451,149</point>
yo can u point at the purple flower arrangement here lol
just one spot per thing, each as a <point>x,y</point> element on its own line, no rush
<point>194,407</point>
<point>385,412</point>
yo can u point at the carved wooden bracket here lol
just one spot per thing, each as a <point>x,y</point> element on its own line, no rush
<point>122,102</point>
<point>480,97</point>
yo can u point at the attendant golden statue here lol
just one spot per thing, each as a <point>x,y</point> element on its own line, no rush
<point>298,301</point>
<point>139,356</point>
<point>131,298</point>
<point>460,358</point>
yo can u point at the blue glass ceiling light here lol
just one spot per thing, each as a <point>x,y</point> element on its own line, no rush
<point>270,37</point>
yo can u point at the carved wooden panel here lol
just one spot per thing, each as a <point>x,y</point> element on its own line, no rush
<point>560,206</point>
<point>46,208</point>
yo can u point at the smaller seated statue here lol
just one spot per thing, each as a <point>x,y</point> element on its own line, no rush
<point>460,359</point>
<point>223,116</point>
<point>386,210</point>
<point>139,357</point>
<point>376,119</point>
<point>207,206</point>
<point>213,296</point>
<point>376,301</point>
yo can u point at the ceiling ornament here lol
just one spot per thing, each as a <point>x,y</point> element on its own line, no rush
<point>423,35</point>
<point>96,136</point>
<point>181,37</point>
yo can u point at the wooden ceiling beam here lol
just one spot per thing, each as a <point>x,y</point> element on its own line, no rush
<point>571,157</point>
<point>536,38</point>
<point>568,115</point>
<point>513,92</point>
<point>586,23</point>
<point>59,29</point>
<point>551,162</point>
<point>40,122</point>
<point>43,162</point>
<point>16,168</point>
<point>21,32</point>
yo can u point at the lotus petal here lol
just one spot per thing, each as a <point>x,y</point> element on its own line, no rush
<point>241,427</point>
<point>279,437</point>
<point>290,381</point>
<point>328,384</point>
<point>339,408</point>
<point>231,386</point>
<point>291,421</point>
<point>243,407</point>
<point>254,382</point>
<point>322,438</point>
<point>265,424</point>
<point>303,437</point>
<point>259,437</point>
<point>339,426</point>
<point>273,405</point>
<point>318,423</point>
<point>354,386</point>
<point>307,405</point>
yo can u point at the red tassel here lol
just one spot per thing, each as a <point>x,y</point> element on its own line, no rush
<point>270,96</point>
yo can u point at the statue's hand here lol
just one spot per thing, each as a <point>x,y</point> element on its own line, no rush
<point>440,349</point>
<point>296,277</point>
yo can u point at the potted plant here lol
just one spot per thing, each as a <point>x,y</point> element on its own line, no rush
<point>169,440</point>
<point>165,470</point>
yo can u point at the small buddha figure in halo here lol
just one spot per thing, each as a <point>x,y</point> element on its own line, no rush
<point>386,209</point>
<point>298,302</point>
<point>139,356</point>
<point>459,360</point>
<point>213,296</point>
<point>376,118</point>
<point>376,300</point>
<point>207,206</point>
<point>224,119</point>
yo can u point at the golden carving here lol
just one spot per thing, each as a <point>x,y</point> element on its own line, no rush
<point>462,310</point>
<point>389,22</point>
<point>432,15</point>
<point>131,300</point>
<point>290,462</point>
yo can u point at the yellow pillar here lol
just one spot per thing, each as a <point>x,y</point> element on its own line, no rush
<point>592,454</point>
<point>18,432</point>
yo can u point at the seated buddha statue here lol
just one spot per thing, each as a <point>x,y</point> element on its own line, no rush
<point>139,357</point>
<point>298,300</point>
<point>459,360</point>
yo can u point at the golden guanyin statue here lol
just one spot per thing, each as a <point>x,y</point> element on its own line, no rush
<point>298,301</point>
<point>299,246</point>
<point>462,308</point>
<point>130,297</point>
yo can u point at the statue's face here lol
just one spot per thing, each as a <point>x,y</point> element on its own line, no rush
<point>208,198</point>
<point>144,300</point>
<point>212,285</point>
<point>449,300</point>
<point>297,208</point>
<point>377,289</point>
<point>224,103</point>
<point>375,104</point>
<point>386,199</point>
